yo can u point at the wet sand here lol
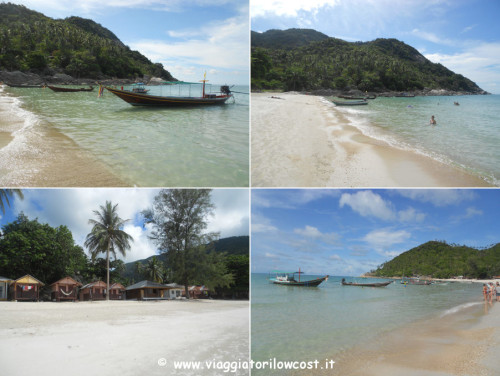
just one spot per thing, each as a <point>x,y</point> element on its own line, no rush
<point>299,141</point>
<point>126,338</point>
<point>34,154</point>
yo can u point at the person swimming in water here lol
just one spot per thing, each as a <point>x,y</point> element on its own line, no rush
<point>432,121</point>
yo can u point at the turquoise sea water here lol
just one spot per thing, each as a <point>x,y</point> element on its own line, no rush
<point>466,136</point>
<point>174,147</point>
<point>304,324</point>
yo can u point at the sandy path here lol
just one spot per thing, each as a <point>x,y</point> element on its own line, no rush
<point>300,141</point>
<point>120,338</point>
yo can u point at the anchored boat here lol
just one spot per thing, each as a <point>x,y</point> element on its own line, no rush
<point>142,99</point>
<point>69,89</point>
<point>376,284</point>
<point>350,103</point>
<point>288,279</point>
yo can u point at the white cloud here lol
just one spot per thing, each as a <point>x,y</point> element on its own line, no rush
<point>411,215</point>
<point>478,61</point>
<point>368,204</point>
<point>287,8</point>
<point>438,197</point>
<point>335,257</point>
<point>431,37</point>
<point>74,207</point>
<point>63,7</point>
<point>382,239</point>
<point>470,212</point>
<point>220,45</point>
<point>313,233</point>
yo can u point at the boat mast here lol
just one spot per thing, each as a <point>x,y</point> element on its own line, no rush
<point>204,80</point>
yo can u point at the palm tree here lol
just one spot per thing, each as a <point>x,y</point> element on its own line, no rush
<point>154,270</point>
<point>107,235</point>
<point>5,194</point>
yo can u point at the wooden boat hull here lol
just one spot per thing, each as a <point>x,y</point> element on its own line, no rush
<point>350,103</point>
<point>137,99</point>
<point>378,284</point>
<point>68,89</point>
<point>24,86</point>
<point>311,283</point>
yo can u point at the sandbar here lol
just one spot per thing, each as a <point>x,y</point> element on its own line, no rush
<point>121,337</point>
<point>300,141</point>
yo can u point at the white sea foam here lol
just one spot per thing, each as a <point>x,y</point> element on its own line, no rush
<point>459,308</point>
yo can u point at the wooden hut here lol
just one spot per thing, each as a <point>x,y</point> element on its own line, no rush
<point>93,291</point>
<point>198,292</point>
<point>64,289</point>
<point>4,287</point>
<point>145,290</point>
<point>116,292</point>
<point>26,288</point>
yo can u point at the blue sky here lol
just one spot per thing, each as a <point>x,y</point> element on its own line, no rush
<point>463,35</point>
<point>74,207</point>
<point>188,37</point>
<point>350,232</point>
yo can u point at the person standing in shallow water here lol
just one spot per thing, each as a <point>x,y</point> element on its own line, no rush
<point>485,292</point>
<point>432,121</point>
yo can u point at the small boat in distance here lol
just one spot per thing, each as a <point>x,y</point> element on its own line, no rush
<point>139,88</point>
<point>69,89</point>
<point>415,281</point>
<point>350,103</point>
<point>351,97</point>
<point>24,86</point>
<point>376,284</point>
<point>288,279</point>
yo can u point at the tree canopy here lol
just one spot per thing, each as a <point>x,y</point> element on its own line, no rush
<point>48,253</point>
<point>179,218</point>
<point>30,41</point>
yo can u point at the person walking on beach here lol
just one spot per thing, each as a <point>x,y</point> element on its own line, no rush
<point>485,292</point>
<point>432,121</point>
<point>493,292</point>
<point>498,291</point>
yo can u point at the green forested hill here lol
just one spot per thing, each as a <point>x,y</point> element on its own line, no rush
<point>330,63</point>
<point>286,39</point>
<point>232,246</point>
<point>30,41</point>
<point>441,260</point>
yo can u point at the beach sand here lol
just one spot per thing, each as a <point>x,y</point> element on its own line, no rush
<point>300,141</point>
<point>121,337</point>
<point>467,343</point>
<point>34,154</point>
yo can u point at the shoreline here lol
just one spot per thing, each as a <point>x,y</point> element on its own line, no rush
<point>300,141</point>
<point>34,154</point>
<point>456,343</point>
<point>120,337</point>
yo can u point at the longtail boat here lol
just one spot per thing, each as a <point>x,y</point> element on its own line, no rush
<point>350,103</point>
<point>69,89</point>
<point>24,86</point>
<point>415,281</point>
<point>142,99</point>
<point>376,284</point>
<point>351,97</point>
<point>288,279</point>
